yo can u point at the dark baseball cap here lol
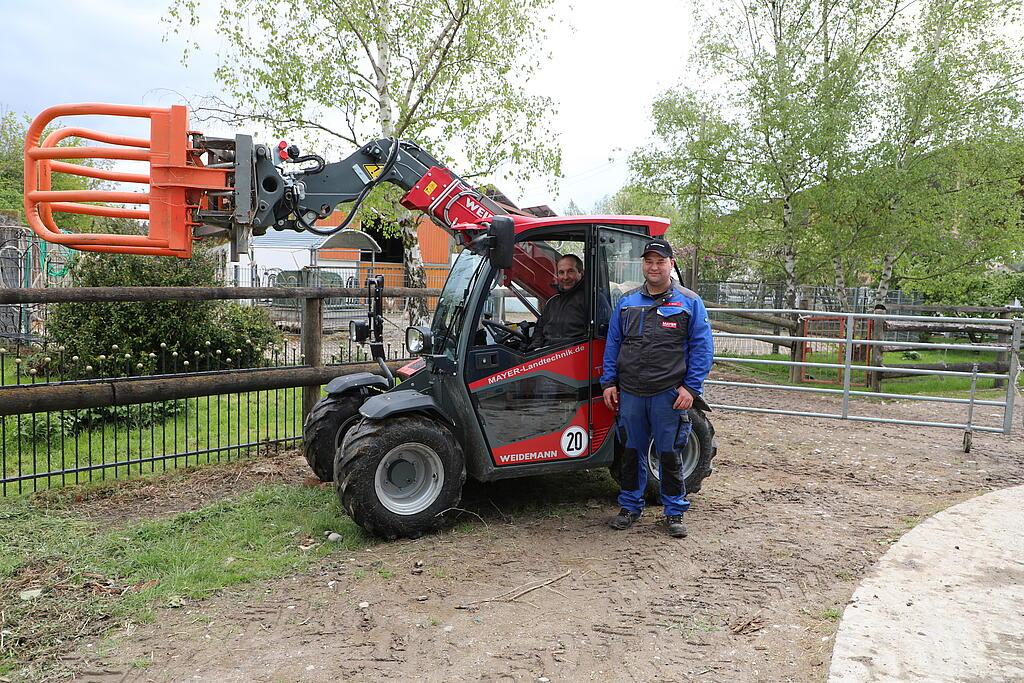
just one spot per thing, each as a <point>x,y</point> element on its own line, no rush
<point>659,246</point>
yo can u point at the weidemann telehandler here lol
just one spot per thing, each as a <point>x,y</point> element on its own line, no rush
<point>478,401</point>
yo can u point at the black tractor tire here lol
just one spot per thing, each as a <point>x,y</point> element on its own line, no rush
<point>325,428</point>
<point>421,454</point>
<point>698,460</point>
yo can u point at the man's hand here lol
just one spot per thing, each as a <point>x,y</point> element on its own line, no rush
<point>683,401</point>
<point>611,399</point>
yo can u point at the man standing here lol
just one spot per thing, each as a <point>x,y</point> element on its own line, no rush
<point>565,317</point>
<point>658,355</point>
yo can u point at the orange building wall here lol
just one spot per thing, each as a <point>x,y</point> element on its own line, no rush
<point>435,243</point>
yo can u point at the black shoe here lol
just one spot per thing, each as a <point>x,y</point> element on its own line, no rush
<point>676,528</point>
<point>624,519</point>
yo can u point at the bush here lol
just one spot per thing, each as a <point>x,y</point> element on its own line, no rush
<point>242,328</point>
<point>135,331</point>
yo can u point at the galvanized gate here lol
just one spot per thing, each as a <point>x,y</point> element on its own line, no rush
<point>1006,331</point>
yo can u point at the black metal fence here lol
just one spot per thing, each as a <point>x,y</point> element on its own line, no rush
<point>66,419</point>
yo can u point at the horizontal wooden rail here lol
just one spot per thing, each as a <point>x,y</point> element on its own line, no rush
<point>40,398</point>
<point>963,328</point>
<point>772,320</point>
<point>952,367</point>
<point>57,295</point>
<point>739,329</point>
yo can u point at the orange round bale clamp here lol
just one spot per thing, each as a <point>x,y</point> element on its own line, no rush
<point>178,181</point>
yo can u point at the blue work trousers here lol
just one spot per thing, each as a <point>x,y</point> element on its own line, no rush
<point>644,418</point>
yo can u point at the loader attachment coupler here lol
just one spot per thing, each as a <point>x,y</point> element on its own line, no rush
<point>189,181</point>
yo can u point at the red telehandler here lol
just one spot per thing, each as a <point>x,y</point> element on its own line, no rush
<point>479,401</point>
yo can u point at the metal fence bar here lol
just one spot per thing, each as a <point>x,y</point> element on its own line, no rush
<point>847,363</point>
<point>865,394</point>
<point>1002,322</point>
<point>879,368</point>
<point>855,418</point>
<point>1011,383</point>
<point>860,342</point>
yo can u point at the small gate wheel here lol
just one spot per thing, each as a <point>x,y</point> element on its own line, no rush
<point>967,441</point>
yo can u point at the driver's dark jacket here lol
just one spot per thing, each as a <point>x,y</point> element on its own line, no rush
<point>564,319</point>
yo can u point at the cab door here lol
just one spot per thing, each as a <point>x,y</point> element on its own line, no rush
<point>617,269</point>
<point>534,404</point>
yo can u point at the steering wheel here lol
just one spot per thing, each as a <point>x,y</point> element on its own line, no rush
<point>503,334</point>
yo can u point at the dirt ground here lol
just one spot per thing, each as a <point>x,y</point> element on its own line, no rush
<point>796,511</point>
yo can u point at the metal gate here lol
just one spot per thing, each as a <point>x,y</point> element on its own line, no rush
<point>1006,331</point>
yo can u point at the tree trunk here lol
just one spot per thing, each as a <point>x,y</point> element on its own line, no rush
<point>840,282</point>
<point>415,277</point>
<point>789,267</point>
<point>883,282</point>
<point>415,274</point>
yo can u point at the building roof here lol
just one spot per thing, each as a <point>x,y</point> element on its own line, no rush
<point>290,239</point>
<point>287,239</point>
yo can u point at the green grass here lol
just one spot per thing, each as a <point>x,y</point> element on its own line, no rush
<point>94,578</point>
<point>208,422</point>
<point>832,614</point>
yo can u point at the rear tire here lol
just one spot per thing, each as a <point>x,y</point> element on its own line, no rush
<point>398,476</point>
<point>325,428</point>
<point>700,451</point>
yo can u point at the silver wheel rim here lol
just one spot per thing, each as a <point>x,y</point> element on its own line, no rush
<point>691,456</point>
<point>409,479</point>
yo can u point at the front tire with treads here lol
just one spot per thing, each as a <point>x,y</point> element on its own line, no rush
<point>400,476</point>
<point>325,428</point>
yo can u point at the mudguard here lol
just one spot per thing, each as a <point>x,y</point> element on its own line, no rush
<point>398,402</point>
<point>340,385</point>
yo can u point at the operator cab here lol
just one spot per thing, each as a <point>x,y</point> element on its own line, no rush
<point>537,404</point>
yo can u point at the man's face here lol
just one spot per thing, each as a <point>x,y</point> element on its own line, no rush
<point>567,274</point>
<point>657,271</point>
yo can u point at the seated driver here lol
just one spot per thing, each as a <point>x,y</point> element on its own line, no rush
<point>565,315</point>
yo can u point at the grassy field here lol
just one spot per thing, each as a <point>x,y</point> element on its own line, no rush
<point>64,577</point>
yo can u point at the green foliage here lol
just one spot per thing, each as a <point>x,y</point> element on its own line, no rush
<point>452,76</point>
<point>974,289</point>
<point>51,427</point>
<point>242,332</point>
<point>135,331</point>
<point>845,142</point>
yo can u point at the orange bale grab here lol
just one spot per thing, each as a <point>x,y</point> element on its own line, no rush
<point>177,180</point>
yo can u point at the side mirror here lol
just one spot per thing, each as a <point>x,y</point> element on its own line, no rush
<point>501,241</point>
<point>417,339</point>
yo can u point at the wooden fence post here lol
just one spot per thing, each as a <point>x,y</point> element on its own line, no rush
<point>312,345</point>
<point>796,352</point>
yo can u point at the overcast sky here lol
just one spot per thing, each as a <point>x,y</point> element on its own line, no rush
<point>610,58</point>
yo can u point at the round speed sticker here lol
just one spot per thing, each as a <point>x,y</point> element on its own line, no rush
<point>574,441</point>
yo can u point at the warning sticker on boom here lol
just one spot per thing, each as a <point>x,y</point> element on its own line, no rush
<point>373,170</point>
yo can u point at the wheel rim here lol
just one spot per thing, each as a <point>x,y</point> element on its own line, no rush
<point>409,478</point>
<point>691,456</point>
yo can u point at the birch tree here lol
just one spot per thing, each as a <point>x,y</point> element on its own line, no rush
<point>949,152</point>
<point>787,108</point>
<point>450,75</point>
